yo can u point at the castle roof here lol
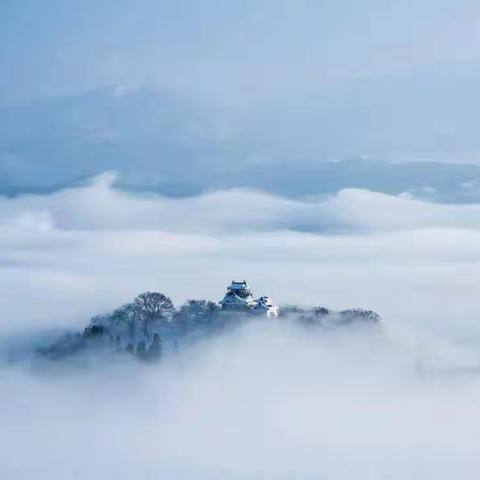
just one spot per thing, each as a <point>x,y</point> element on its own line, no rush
<point>239,296</point>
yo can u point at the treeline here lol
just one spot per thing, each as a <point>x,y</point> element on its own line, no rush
<point>139,328</point>
<point>149,325</point>
<point>325,317</point>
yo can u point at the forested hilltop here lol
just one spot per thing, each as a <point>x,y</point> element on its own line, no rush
<point>151,326</point>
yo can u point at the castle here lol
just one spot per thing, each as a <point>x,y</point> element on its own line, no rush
<point>239,298</point>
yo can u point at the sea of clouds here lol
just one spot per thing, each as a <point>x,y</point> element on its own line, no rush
<point>268,400</point>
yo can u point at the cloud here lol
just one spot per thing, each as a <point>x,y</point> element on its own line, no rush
<point>268,400</point>
<point>331,405</point>
<point>100,206</point>
<point>78,251</point>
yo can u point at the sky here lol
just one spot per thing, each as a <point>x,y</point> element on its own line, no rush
<point>225,51</point>
<point>154,88</point>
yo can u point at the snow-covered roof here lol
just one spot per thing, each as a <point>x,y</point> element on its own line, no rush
<point>265,301</point>
<point>235,299</point>
<point>239,296</point>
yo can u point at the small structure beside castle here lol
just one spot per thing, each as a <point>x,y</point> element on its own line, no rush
<point>239,298</point>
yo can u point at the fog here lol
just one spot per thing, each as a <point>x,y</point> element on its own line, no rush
<point>85,250</point>
<point>269,399</point>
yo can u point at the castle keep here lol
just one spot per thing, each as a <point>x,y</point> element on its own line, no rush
<point>239,298</point>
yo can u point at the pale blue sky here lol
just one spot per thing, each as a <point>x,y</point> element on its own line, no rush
<point>243,85</point>
<point>224,49</point>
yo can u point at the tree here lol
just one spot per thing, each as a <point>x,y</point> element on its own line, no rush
<point>153,306</point>
<point>104,321</point>
<point>128,315</point>
<point>291,310</point>
<point>155,349</point>
<point>358,315</point>
<point>196,312</point>
<point>141,350</point>
<point>94,331</point>
<point>321,311</point>
<point>199,309</point>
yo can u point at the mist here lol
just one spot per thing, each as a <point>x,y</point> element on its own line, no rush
<point>266,401</point>
<point>83,251</point>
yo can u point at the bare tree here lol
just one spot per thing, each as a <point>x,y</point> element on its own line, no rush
<point>154,352</point>
<point>196,313</point>
<point>198,309</point>
<point>153,306</point>
<point>141,351</point>
<point>128,315</point>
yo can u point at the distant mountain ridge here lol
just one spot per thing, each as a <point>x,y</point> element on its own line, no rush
<point>162,142</point>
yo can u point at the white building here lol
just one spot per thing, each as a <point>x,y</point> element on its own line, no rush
<point>239,298</point>
<point>265,305</point>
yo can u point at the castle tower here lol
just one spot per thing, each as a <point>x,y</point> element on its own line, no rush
<point>239,298</point>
